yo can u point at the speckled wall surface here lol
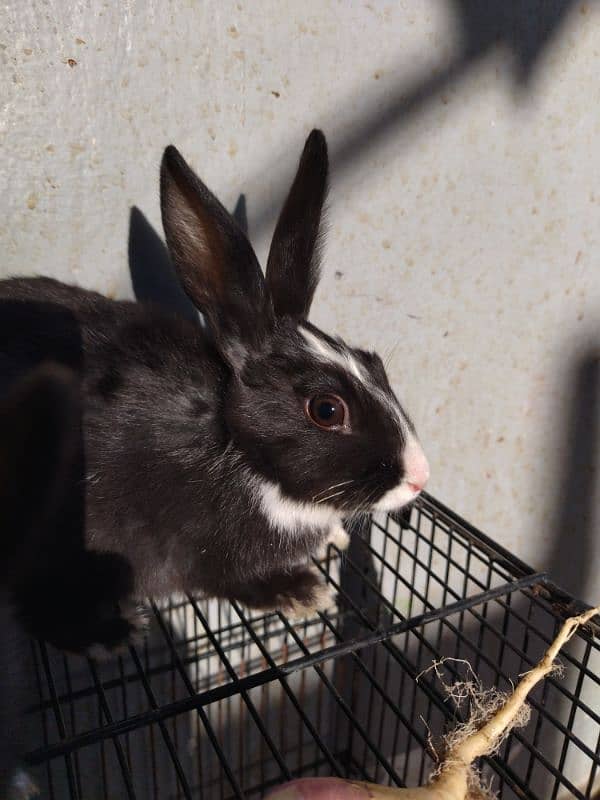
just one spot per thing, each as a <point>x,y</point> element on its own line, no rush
<point>465,211</point>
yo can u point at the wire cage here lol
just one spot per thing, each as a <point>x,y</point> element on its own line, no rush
<point>220,702</point>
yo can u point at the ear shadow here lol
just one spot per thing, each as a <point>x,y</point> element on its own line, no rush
<point>152,274</point>
<point>240,214</point>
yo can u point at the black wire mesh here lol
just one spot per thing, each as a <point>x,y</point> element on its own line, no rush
<point>221,702</point>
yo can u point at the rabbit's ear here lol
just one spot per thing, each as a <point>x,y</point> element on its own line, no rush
<point>213,258</point>
<point>293,267</point>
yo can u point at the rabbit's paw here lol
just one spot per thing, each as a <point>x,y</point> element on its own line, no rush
<point>116,635</point>
<point>338,537</point>
<point>298,594</point>
<point>321,598</point>
<point>21,786</point>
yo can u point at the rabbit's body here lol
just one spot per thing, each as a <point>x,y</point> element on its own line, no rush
<point>165,486</point>
<point>220,463</point>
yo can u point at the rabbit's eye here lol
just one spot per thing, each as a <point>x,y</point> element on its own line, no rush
<point>327,411</point>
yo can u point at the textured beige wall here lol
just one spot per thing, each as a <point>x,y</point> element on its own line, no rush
<point>465,210</point>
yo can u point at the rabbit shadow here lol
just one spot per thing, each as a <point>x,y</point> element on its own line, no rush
<point>575,518</point>
<point>523,30</point>
<point>570,567</point>
<point>153,277</point>
<point>573,558</point>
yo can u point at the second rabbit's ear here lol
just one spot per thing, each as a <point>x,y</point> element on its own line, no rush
<point>293,268</point>
<point>213,259</point>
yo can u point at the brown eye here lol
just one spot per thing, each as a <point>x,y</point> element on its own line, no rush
<point>327,411</point>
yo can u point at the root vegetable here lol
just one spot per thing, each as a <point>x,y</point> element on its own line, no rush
<point>456,778</point>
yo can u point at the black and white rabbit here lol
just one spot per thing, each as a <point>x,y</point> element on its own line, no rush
<point>221,463</point>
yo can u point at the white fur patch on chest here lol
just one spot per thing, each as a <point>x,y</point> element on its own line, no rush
<point>291,516</point>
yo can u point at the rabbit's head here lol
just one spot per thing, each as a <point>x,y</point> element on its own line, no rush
<point>310,415</point>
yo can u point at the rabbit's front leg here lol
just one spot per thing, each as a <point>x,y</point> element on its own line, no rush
<point>299,594</point>
<point>85,606</point>
<point>338,537</point>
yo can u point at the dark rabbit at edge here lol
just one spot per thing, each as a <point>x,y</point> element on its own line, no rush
<point>221,463</point>
<point>44,563</point>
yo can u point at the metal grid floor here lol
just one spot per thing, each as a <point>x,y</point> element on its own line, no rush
<point>220,702</point>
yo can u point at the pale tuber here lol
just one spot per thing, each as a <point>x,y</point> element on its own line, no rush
<point>456,778</point>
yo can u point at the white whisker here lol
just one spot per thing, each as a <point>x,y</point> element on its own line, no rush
<point>391,353</point>
<point>329,497</point>
<point>334,486</point>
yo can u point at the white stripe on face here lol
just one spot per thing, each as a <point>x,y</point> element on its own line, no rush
<point>416,475</point>
<point>322,349</point>
<point>346,360</point>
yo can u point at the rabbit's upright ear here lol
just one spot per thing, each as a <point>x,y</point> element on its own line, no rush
<point>293,267</point>
<point>213,259</point>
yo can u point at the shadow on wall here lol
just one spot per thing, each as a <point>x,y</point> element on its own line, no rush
<point>523,29</point>
<point>571,560</point>
<point>152,274</point>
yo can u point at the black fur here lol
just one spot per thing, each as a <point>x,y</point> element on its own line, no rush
<point>182,431</point>
<point>213,258</point>
<point>49,584</point>
<point>297,235</point>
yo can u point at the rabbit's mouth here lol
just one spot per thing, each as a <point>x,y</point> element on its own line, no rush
<point>414,478</point>
<point>394,499</point>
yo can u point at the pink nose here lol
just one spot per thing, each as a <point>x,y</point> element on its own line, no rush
<point>416,468</point>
